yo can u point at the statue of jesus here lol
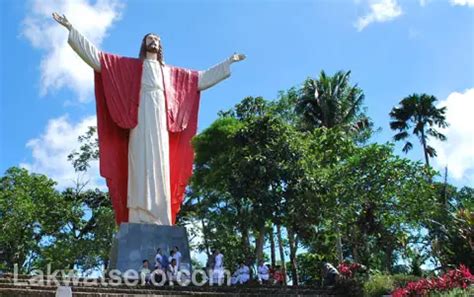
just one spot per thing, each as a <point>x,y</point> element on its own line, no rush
<point>146,117</point>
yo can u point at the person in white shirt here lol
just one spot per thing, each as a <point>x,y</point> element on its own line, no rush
<point>177,256</point>
<point>145,272</point>
<point>241,275</point>
<point>263,272</point>
<point>218,271</point>
<point>158,258</point>
<point>172,271</point>
<point>171,257</point>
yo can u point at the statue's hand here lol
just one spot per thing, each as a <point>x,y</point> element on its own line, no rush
<point>62,20</point>
<point>237,57</point>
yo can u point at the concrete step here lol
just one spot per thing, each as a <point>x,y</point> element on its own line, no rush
<point>9,288</point>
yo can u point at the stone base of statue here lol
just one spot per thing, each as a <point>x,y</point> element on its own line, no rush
<point>134,243</point>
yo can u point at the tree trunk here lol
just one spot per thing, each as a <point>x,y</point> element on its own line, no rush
<point>340,255</point>
<point>204,232</point>
<point>388,259</point>
<point>423,142</point>
<point>260,242</point>
<point>294,264</point>
<point>282,254</point>
<point>245,242</point>
<point>272,247</point>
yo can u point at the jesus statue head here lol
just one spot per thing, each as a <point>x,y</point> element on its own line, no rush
<point>151,46</point>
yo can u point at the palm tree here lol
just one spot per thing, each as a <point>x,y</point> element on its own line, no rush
<point>330,101</point>
<point>420,113</point>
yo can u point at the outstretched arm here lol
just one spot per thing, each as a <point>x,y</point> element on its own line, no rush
<point>83,47</point>
<point>217,73</point>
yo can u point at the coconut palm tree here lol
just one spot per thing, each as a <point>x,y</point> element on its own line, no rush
<point>418,115</point>
<point>331,101</point>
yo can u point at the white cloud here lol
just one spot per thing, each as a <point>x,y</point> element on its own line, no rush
<point>469,3</point>
<point>51,148</point>
<point>458,151</point>
<point>380,11</point>
<point>60,66</point>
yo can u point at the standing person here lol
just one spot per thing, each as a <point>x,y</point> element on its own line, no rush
<point>177,256</point>
<point>171,257</point>
<point>263,272</point>
<point>147,114</point>
<point>164,261</point>
<point>158,258</point>
<point>218,271</point>
<point>211,260</point>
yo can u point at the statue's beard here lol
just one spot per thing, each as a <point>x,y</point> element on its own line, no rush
<point>152,48</point>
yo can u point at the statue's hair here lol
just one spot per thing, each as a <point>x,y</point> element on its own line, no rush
<point>142,54</point>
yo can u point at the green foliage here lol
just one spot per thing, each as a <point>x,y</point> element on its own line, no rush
<point>256,165</point>
<point>88,151</point>
<point>451,226</point>
<point>309,266</point>
<point>378,285</point>
<point>382,284</point>
<point>30,211</point>
<point>42,226</point>
<point>420,113</point>
<point>243,163</point>
<point>85,239</point>
<point>402,280</point>
<point>455,293</point>
<point>330,101</point>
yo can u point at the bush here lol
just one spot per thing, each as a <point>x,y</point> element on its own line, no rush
<point>402,280</point>
<point>455,293</point>
<point>379,285</point>
<point>460,278</point>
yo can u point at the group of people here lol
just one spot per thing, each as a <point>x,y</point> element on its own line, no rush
<point>265,273</point>
<point>168,267</point>
<point>164,266</point>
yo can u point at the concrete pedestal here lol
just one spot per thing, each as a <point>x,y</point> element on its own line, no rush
<point>134,243</point>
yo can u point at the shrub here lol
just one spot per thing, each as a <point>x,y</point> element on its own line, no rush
<point>349,270</point>
<point>378,285</point>
<point>402,280</point>
<point>456,278</point>
<point>455,293</point>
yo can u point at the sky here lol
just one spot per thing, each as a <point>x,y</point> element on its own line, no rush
<point>393,48</point>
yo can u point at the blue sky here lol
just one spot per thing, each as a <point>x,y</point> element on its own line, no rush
<point>393,48</point>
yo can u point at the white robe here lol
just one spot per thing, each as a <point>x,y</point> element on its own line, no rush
<point>149,194</point>
<point>218,271</point>
<point>263,273</point>
<point>177,256</point>
<point>241,275</point>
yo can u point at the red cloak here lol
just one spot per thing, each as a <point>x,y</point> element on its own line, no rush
<point>117,91</point>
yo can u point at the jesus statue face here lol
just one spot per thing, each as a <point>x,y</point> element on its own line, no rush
<point>152,43</point>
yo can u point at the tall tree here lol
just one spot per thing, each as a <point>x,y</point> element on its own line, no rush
<point>30,210</point>
<point>331,101</point>
<point>42,226</point>
<point>381,198</point>
<point>417,114</point>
